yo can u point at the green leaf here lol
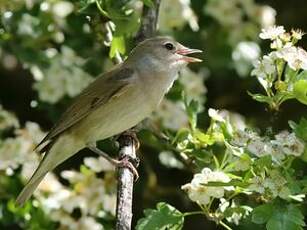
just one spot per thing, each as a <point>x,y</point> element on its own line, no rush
<point>203,137</point>
<point>300,129</point>
<point>262,213</point>
<point>286,218</point>
<point>162,218</point>
<point>300,91</point>
<point>117,46</point>
<point>261,98</point>
<point>279,216</point>
<point>263,162</point>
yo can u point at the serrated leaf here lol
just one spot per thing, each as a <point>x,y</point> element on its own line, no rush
<point>279,216</point>
<point>162,218</point>
<point>286,218</point>
<point>263,162</point>
<point>262,213</point>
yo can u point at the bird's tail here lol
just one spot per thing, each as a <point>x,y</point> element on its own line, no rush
<point>30,187</point>
<point>61,150</point>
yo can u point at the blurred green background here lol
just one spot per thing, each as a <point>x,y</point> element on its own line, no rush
<point>50,50</point>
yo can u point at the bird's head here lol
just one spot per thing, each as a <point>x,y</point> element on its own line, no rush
<point>162,52</point>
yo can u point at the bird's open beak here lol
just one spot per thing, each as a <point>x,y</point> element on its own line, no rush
<point>186,51</point>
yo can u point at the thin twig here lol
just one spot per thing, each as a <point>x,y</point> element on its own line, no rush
<point>125,184</point>
<point>127,142</point>
<point>149,22</point>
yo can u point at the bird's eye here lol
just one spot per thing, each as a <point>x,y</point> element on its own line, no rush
<point>169,46</point>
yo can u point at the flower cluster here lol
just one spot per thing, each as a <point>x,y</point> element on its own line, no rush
<point>282,71</point>
<point>169,11</point>
<point>284,144</point>
<point>202,194</point>
<point>63,77</point>
<point>272,186</point>
<point>230,15</point>
<point>92,195</point>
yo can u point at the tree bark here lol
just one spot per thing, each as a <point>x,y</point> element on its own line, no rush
<point>126,142</point>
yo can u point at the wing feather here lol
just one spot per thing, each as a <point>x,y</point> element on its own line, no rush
<point>98,93</point>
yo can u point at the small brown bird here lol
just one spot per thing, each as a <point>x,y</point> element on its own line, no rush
<point>116,101</point>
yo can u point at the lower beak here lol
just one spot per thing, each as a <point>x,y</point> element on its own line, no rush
<point>186,51</point>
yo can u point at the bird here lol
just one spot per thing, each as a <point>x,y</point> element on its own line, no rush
<point>114,102</point>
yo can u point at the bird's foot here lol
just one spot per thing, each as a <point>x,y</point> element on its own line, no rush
<point>126,161</point>
<point>130,163</point>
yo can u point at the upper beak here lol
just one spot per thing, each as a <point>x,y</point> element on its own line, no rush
<point>186,51</point>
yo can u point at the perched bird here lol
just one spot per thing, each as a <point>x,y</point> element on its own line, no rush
<point>116,101</point>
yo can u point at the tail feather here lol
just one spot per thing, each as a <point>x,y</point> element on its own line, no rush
<point>29,189</point>
<point>56,153</point>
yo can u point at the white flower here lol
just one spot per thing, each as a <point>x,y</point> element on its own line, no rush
<point>256,147</point>
<point>90,193</point>
<point>215,115</point>
<point>62,8</point>
<point>242,137</point>
<point>63,76</point>
<point>268,15</point>
<point>297,34</point>
<point>171,115</point>
<point>244,55</point>
<point>264,67</point>
<point>296,57</point>
<point>193,83</point>
<point>257,185</point>
<point>199,192</point>
<point>227,13</point>
<point>264,70</point>
<point>272,32</point>
<point>289,143</point>
<point>7,119</point>
<point>169,11</point>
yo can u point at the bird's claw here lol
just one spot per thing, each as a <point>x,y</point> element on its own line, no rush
<point>130,163</point>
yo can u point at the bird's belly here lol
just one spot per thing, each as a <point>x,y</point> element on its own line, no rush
<point>114,117</point>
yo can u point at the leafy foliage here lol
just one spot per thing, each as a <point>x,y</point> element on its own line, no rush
<point>279,216</point>
<point>164,217</point>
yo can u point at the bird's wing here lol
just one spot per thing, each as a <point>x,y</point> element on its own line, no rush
<point>98,93</point>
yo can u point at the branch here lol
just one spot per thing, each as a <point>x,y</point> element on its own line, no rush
<point>149,22</point>
<point>125,184</point>
<point>126,142</point>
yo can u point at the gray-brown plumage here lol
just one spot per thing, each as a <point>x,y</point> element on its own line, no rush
<point>113,103</point>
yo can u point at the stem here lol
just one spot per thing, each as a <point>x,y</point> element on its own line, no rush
<point>149,21</point>
<point>102,11</point>
<point>225,225</point>
<point>194,213</point>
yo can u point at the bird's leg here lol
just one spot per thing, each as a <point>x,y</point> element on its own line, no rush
<point>124,162</point>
